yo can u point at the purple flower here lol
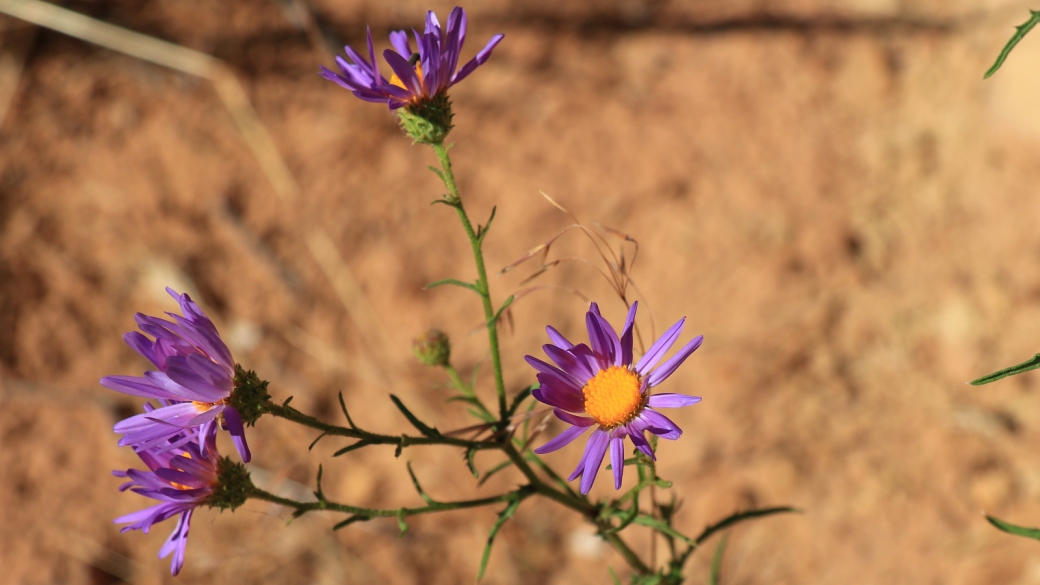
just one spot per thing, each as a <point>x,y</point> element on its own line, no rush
<point>417,77</point>
<point>181,479</point>
<point>194,382</point>
<point>603,384</point>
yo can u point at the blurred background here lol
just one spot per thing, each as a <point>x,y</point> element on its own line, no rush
<point>826,189</point>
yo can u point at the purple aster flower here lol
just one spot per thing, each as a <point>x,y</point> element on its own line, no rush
<point>181,479</point>
<point>612,393</point>
<point>194,382</point>
<point>417,76</point>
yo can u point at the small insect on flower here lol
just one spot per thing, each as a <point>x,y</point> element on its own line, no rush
<point>181,479</point>
<point>613,394</point>
<point>194,382</point>
<point>418,76</point>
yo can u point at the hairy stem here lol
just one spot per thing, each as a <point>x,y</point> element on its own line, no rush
<point>475,241</point>
<point>291,414</point>
<point>323,504</point>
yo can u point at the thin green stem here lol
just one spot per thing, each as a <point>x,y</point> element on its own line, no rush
<point>291,414</point>
<point>475,241</point>
<point>323,504</point>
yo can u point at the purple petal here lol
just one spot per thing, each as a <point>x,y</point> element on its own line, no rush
<point>667,400</point>
<point>181,371</point>
<point>558,377</point>
<point>562,440</point>
<point>557,339</point>
<point>572,419</point>
<point>238,432</point>
<point>596,449</point>
<point>657,376</point>
<point>617,459</point>
<point>601,342</point>
<point>635,429</point>
<point>626,335</point>
<point>660,347</point>
<point>564,399</point>
<point>177,542</point>
<point>135,386</point>
<point>477,61</point>
<point>660,425</point>
<point>404,71</point>
<point>399,41</point>
<point>577,370</point>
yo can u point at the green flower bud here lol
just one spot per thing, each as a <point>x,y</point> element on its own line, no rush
<point>433,348</point>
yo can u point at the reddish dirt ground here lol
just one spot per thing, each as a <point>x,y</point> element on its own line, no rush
<point>828,191</point>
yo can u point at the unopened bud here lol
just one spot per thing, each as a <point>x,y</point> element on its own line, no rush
<point>433,348</point>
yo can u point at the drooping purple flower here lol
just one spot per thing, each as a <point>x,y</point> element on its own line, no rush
<point>181,479</point>
<point>599,386</point>
<point>194,381</point>
<point>417,76</point>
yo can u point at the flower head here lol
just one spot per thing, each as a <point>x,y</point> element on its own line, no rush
<point>599,386</point>
<point>194,381</point>
<point>417,76</point>
<point>181,479</point>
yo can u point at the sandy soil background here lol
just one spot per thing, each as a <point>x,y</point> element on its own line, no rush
<point>827,190</point>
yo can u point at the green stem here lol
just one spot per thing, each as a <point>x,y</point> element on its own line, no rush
<point>304,507</point>
<point>475,242</point>
<point>582,506</point>
<point>291,414</point>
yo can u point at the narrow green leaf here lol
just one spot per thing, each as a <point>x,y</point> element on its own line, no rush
<point>740,517</point>
<point>519,399</point>
<point>716,561</point>
<point>401,524</point>
<point>629,517</point>
<point>1020,33</point>
<point>613,576</point>
<point>287,401</point>
<point>494,470</point>
<point>349,448</point>
<point>453,281</point>
<point>415,482</point>
<point>351,520</point>
<point>1016,530</point>
<point>343,407</point>
<point>505,305</point>
<point>436,171</point>
<point>1016,369</point>
<point>470,454</point>
<point>503,516</point>
<point>483,231</point>
<point>663,528</point>
<point>318,493</point>
<point>315,441</point>
<point>418,424</point>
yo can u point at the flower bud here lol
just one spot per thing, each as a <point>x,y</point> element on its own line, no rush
<point>433,348</point>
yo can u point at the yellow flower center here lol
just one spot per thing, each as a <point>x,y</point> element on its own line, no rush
<point>612,397</point>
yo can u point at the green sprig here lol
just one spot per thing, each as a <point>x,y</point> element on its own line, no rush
<point>1020,32</point>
